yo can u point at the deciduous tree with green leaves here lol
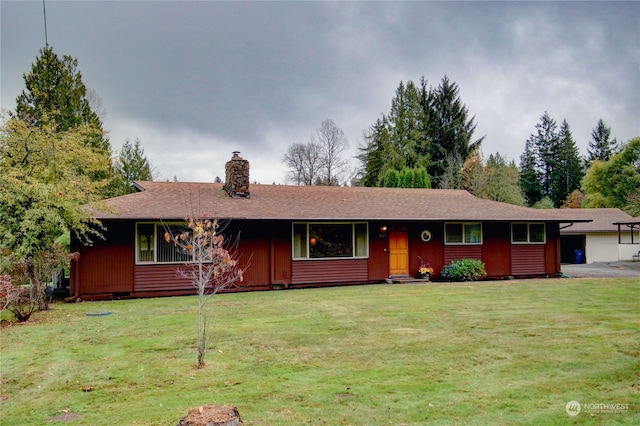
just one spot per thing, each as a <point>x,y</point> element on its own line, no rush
<point>503,182</point>
<point>46,178</point>
<point>494,179</point>
<point>611,183</point>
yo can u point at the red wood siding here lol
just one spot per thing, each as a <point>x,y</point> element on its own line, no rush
<point>552,250</point>
<point>160,278</point>
<point>253,252</point>
<point>496,248</point>
<point>107,265</point>
<point>462,252</point>
<point>430,251</point>
<point>528,259</point>
<point>329,271</point>
<point>378,264</point>
<point>281,253</point>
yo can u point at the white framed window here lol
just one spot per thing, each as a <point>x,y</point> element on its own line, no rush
<point>463,233</point>
<point>152,247</point>
<point>330,240</point>
<point>528,233</point>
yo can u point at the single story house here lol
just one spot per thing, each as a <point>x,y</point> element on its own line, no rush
<point>600,240</point>
<point>300,236</point>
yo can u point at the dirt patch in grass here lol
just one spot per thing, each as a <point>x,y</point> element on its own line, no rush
<point>66,417</point>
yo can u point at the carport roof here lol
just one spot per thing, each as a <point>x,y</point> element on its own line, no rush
<point>602,220</point>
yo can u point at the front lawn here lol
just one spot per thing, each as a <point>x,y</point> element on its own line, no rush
<point>508,352</point>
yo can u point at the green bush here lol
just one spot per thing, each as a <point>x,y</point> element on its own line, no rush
<point>463,270</point>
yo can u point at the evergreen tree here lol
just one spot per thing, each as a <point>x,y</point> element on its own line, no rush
<point>600,147</point>
<point>130,165</point>
<point>451,132</point>
<point>530,176</point>
<point>425,128</point>
<point>405,178</point>
<point>405,128</point>
<point>55,98</point>
<point>390,179</point>
<point>566,170</point>
<point>373,155</point>
<point>545,145</point>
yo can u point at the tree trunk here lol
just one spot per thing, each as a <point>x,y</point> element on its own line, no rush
<point>36,287</point>
<point>201,329</point>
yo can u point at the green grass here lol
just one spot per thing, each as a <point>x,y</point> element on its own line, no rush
<point>505,353</point>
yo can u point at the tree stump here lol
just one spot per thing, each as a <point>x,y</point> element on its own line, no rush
<point>212,415</point>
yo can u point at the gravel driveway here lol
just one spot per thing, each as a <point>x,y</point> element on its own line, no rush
<point>602,269</point>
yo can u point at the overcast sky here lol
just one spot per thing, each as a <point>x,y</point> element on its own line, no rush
<point>195,81</point>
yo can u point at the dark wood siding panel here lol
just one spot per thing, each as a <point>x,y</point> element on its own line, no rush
<point>462,252</point>
<point>378,251</point>
<point>552,249</point>
<point>496,248</point>
<point>281,253</point>
<point>107,265</point>
<point>160,278</point>
<point>430,251</point>
<point>527,259</point>
<point>254,260</point>
<point>329,271</point>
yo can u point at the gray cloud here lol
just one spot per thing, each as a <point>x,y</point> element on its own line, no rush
<point>196,80</point>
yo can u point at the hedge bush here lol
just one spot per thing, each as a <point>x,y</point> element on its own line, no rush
<point>463,270</point>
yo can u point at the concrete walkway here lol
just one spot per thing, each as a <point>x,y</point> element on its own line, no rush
<point>623,268</point>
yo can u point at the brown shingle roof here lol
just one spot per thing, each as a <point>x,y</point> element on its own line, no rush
<point>175,200</point>
<point>602,219</point>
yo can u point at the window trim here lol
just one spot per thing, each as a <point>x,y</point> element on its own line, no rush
<point>353,240</point>
<point>463,242</point>
<point>544,228</point>
<point>157,234</point>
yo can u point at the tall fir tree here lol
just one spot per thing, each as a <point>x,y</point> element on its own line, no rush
<point>545,145</point>
<point>566,170</point>
<point>373,155</point>
<point>530,176</point>
<point>406,132</point>
<point>425,128</point>
<point>130,165</point>
<point>601,147</point>
<point>451,131</point>
<point>56,99</point>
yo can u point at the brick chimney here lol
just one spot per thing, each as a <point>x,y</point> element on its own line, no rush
<point>237,176</point>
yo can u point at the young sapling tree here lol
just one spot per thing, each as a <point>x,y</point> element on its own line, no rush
<point>213,268</point>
